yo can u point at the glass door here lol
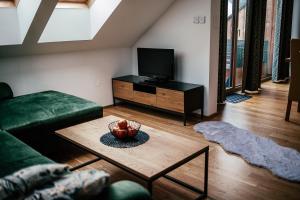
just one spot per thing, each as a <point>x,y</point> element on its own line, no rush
<point>229,46</point>
<point>236,28</point>
<point>266,71</point>
<point>240,53</point>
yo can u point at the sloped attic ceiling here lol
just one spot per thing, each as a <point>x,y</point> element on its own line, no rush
<point>122,29</point>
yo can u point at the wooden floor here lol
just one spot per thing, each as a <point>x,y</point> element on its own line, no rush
<point>230,177</point>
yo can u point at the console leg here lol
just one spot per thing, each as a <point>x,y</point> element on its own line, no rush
<point>288,110</point>
<point>201,113</point>
<point>298,106</point>
<point>114,100</point>
<point>184,119</point>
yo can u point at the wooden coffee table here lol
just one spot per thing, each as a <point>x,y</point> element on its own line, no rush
<point>161,154</point>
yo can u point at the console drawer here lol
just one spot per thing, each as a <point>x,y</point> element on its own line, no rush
<point>123,90</point>
<point>144,98</point>
<point>170,100</point>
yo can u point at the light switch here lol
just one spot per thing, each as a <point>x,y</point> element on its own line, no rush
<point>196,20</point>
<point>199,20</point>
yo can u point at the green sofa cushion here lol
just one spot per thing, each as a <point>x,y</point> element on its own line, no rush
<point>125,190</point>
<point>5,91</point>
<point>15,155</point>
<point>48,110</point>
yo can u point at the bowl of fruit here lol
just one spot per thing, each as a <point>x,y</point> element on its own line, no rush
<point>124,128</point>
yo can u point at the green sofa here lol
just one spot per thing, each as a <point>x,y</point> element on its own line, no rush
<point>48,111</point>
<point>45,111</point>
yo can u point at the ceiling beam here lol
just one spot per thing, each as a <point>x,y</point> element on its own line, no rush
<point>39,22</point>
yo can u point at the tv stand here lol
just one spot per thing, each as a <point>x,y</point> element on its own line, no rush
<point>171,96</point>
<point>151,81</point>
<point>156,80</point>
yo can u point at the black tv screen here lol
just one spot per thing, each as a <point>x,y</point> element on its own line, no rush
<point>156,63</point>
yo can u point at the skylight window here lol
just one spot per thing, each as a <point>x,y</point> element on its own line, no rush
<point>89,19</point>
<point>20,14</point>
<point>74,1</point>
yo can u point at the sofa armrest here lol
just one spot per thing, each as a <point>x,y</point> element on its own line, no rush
<point>125,190</point>
<point>5,91</point>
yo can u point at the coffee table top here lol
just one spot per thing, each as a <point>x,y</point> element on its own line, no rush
<point>161,152</point>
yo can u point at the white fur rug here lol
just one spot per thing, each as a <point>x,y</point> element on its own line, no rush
<point>260,151</point>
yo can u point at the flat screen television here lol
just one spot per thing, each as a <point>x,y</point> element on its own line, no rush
<point>157,64</point>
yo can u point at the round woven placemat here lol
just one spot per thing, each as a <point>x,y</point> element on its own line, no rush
<point>109,140</point>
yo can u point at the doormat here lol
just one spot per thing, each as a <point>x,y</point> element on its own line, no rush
<point>237,98</point>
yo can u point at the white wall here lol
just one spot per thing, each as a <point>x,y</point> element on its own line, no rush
<point>9,26</point>
<point>84,74</point>
<point>212,98</point>
<point>196,45</point>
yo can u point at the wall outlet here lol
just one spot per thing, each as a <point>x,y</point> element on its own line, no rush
<point>202,19</point>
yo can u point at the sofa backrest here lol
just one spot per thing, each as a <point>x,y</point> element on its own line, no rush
<point>5,91</point>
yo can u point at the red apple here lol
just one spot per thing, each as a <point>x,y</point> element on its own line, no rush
<point>115,130</point>
<point>122,124</point>
<point>121,133</point>
<point>132,131</point>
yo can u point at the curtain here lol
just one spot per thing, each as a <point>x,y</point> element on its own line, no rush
<point>222,52</point>
<point>283,26</point>
<point>254,43</point>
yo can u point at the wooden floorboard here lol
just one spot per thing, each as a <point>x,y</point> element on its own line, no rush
<point>230,177</point>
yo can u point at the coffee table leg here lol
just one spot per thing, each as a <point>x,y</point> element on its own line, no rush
<point>206,172</point>
<point>85,164</point>
<point>149,186</point>
<point>203,193</point>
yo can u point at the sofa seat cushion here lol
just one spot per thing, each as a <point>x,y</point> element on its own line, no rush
<point>48,110</point>
<point>15,155</point>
